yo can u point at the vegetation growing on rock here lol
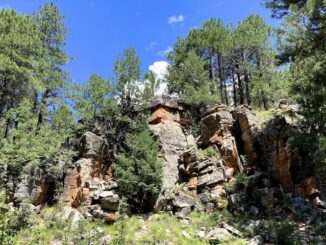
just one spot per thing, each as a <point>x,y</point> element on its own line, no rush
<point>79,162</point>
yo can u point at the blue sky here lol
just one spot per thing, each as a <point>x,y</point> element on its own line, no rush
<point>99,30</point>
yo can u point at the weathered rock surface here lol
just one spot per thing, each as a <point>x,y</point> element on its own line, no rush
<point>245,120</point>
<point>34,187</point>
<point>275,152</point>
<point>173,141</point>
<point>216,129</point>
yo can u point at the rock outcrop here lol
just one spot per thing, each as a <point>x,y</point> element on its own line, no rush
<point>165,124</point>
<point>216,128</point>
<point>89,180</point>
<point>203,175</point>
<point>245,122</point>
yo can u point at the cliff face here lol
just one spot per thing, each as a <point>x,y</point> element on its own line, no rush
<point>235,146</point>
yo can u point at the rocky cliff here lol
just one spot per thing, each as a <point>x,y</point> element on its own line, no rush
<point>230,164</point>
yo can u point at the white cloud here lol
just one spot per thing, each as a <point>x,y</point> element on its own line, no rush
<point>151,46</point>
<point>160,68</point>
<point>165,52</point>
<point>175,19</point>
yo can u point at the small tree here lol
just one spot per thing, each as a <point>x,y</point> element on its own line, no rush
<point>138,171</point>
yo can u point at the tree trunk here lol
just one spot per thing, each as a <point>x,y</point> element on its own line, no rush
<point>248,94</point>
<point>234,90</point>
<point>240,89</point>
<point>220,78</point>
<point>42,107</point>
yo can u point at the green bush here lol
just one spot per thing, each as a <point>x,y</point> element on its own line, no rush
<point>139,172</point>
<point>208,152</point>
<point>239,181</point>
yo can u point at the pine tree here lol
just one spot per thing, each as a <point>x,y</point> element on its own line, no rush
<point>21,55</point>
<point>138,171</point>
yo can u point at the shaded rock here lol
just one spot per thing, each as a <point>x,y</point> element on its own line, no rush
<point>265,197</point>
<point>257,240</point>
<point>34,187</point>
<point>110,203</point>
<point>246,121</point>
<point>276,151</point>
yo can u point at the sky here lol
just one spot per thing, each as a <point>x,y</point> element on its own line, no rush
<point>99,30</point>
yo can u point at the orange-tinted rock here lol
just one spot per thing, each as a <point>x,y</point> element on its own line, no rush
<point>110,218</point>
<point>310,186</point>
<point>163,114</point>
<point>192,183</point>
<point>216,129</point>
<point>72,184</point>
<point>275,151</point>
<point>281,161</point>
<point>40,193</point>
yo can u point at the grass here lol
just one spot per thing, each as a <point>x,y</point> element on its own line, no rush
<point>262,117</point>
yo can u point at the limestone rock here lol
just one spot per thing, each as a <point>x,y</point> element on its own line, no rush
<point>257,240</point>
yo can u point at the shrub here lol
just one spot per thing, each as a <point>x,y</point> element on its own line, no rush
<point>208,152</point>
<point>139,172</point>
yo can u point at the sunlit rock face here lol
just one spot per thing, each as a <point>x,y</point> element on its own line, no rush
<point>216,128</point>
<point>165,124</point>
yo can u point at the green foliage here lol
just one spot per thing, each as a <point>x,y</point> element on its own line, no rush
<point>239,181</point>
<point>21,57</point>
<point>127,77</point>
<point>209,152</point>
<point>34,146</point>
<point>138,171</point>
<point>95,95</point>
<point>216,56</point>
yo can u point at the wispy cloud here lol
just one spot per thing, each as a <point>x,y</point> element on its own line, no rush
<point>175,19</point>
<point>165,52</point>
<point>152,46</point>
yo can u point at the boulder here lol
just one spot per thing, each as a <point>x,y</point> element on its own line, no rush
<point>34,187</point>
<point>283,104</point>
<point>218,235</point>
<point>257,240</point>
<point>110,202</point>
<point>182,201</point>
<point>92,145</point>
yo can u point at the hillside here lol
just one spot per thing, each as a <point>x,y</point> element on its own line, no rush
<point>221,143</point>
